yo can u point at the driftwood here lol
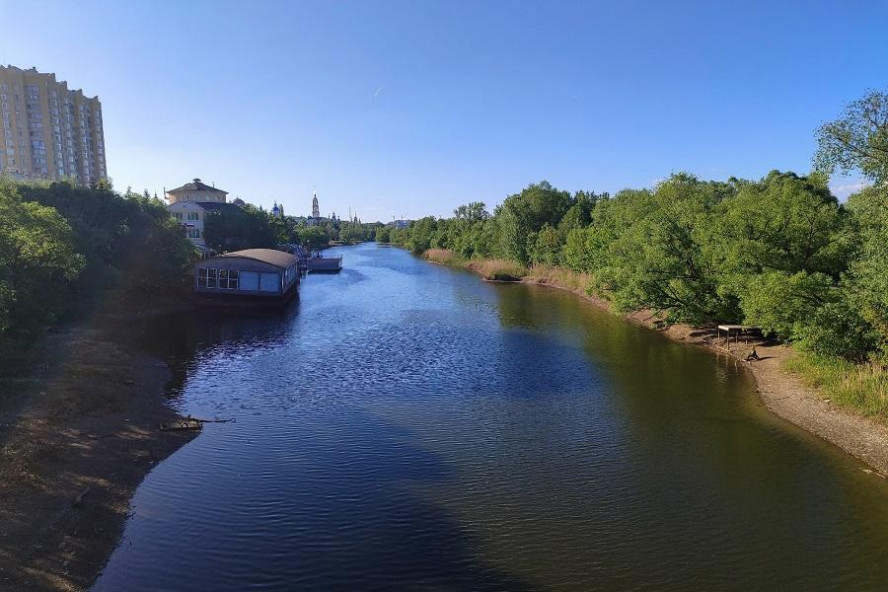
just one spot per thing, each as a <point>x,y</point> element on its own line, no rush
<point>179,426</point>
<point>78,501</point>
<point>230,420</point>
<point>111,435</point>
<point>191,423</point>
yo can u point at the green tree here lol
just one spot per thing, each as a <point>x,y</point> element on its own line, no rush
<point>234,229</point>
<point>36,256</point>
<point>524,214</point>
<point>866,282</point>
<point>783,222</point>
<point>858,140</point>
<point>648,250</point>
<point>472,212</point>
<point>421,233</point>
<point>383,234</point>
<point>785,303</point>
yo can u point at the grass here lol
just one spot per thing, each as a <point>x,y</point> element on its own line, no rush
<point>443,256</point>
<point>561,277</point>
<point>863,387</point>
<point>489,269</point>
<point>497,269</point>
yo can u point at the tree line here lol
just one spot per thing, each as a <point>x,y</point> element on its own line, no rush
<point>61,246</point>
<point>779,252</point>
<point>252,227</point>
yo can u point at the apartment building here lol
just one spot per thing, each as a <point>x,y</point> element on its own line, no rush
<point>48,131</point>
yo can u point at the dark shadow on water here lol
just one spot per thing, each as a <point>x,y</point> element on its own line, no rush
<point>179,338</point>
<point>344,512</point>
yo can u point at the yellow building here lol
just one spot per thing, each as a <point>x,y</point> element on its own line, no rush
<point>48,131</point>
<point>196,191</point>
<point>190,204</point>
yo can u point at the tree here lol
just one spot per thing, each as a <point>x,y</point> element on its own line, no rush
<point>858,140</point>
<point>783,222</point>
<point>234,229</point>
<point>421,233</point>
<point>472,212</point>
<point>524,214</point>
<point>648,250</point>
<point>867,279</point>
<point>36,253</point>
<point>383,235</point>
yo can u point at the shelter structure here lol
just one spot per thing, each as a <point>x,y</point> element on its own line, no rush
<point>252,276</point>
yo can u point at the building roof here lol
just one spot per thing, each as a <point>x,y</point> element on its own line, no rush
<point>270,256</point>
<point>195,185</point>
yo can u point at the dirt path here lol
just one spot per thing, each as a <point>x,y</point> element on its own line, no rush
<point>87,427</point>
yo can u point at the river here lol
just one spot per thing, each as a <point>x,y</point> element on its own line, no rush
<point>405,426</point>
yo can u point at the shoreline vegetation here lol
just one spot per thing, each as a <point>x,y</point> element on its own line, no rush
<point>820,396</point>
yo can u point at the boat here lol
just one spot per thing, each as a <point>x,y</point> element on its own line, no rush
<point>317,263</point>
<point>247,278</point>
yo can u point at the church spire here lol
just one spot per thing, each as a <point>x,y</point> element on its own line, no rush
<point>315,208</point>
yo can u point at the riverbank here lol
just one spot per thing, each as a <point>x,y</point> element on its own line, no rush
<point>786,394</point>
<point>79,432</point>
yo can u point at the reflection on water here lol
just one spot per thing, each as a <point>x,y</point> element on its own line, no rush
<point>407,427</point>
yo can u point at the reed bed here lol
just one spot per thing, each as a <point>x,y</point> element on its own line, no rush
<point>560,277</point>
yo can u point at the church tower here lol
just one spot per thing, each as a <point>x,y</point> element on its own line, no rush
<point>315,209</point>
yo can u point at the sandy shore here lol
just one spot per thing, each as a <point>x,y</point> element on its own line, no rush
<point>782,393</point>
<point>81,420</point>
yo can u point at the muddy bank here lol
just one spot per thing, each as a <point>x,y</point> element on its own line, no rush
<point>78,433</point>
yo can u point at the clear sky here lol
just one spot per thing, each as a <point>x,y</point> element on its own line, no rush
<point>409,108</point>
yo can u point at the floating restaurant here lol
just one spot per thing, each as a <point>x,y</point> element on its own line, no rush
<point>253,276</point>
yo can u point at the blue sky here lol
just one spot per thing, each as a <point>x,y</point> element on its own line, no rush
<point>409,108</point>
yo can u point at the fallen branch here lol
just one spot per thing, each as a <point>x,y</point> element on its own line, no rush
<point>178,426</point>
<point>91,437</point>
<point>230,420</point>
<point>78,501</point>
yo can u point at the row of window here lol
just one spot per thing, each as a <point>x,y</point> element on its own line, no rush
<point>232,279</point>
<point>226,279</point>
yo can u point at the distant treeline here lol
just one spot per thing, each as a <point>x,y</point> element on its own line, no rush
<point>252,227</point>
<point>61,247</point>
<point>781,253</point>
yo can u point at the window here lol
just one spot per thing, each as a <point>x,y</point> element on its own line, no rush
<point>206,277</point>
<point>249,280</point>
<point>228,279</point>
<point>193,233</point>
<point>177,215</point>
<point>269,282</point>
<point>193,216</point>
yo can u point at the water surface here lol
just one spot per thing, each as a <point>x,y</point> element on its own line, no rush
<point>408,427</point>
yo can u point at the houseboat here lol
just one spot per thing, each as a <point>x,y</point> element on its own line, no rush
<point>317,263</point>
<point>253,276</point>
